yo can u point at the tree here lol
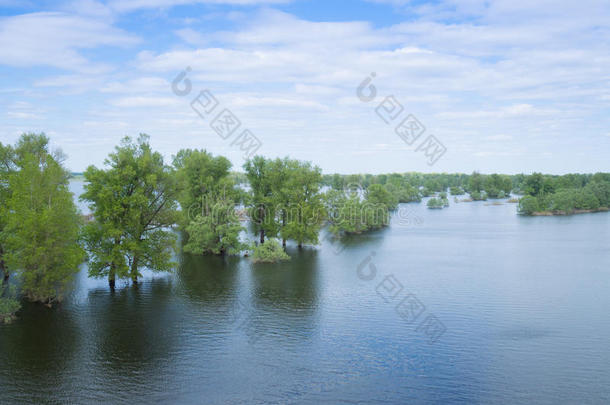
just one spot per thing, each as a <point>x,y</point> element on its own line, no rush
<point>475,184</point>
<point>378,194</point>
<point>207,197</point>
<point>528,205</point>
<point>216,233</point>
<point>43,226</point>
<point>7,167</point>
<point>133,203</point>
<point>261,201</point>
<point>305,207</point>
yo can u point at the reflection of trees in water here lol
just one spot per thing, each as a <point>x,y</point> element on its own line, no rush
<point>208,280</point>
<point>135,331</point>
<point>35,353</point>
<point>285,295</point>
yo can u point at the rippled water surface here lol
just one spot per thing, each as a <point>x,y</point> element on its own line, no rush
<point>524,302</point>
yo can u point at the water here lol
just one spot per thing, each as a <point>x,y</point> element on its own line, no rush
<point>523,301</point>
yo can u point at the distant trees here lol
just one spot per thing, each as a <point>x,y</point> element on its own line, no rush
<point>438,202</point>
<point>41,223</point>
<point>133,202</point>
<point>565,194</point>
<point>352,214</point>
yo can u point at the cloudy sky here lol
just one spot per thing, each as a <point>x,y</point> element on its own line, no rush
<point>505,85</point>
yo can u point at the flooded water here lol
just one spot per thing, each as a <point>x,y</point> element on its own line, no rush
<point>470,304</point>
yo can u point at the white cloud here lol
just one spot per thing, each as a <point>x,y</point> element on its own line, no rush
<point>145,102</point>
<point>53,39</point>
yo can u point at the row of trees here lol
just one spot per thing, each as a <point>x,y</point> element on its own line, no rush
<point>137,201</point>
<point>565,194</point>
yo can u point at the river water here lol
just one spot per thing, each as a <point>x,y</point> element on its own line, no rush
<point>469,304</point>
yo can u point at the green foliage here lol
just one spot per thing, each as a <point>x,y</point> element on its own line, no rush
<point>7,167</point>
<point>261,201</point>
<point>478,196</point>
<point>133,203</point>
<point>217,233</point>
<point>456,191</point>
<point>285,199</point>
<point>528,205</point>
<point>379,195</point>
<point>351,215</point>
<point>207,196</point>
<point>269,252</point>
<point>42,230</point>
<point>437,203</point>
<point>9,305</point>
<point>301,206</point>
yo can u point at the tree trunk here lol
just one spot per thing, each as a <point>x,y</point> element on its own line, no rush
<point>112,277</point>
<point>262,240</point>
<point>134,270</point>
<point>3,270</point>
<point>283,226</point>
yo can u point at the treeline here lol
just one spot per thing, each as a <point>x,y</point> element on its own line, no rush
<point>565,194</point>
<point>138,202</point>
<point>142,206</point>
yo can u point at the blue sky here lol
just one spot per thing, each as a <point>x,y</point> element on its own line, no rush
<point>506,85</point>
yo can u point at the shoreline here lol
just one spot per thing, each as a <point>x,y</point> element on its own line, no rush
<point>566,213</point>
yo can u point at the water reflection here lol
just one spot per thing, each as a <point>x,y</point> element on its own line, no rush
<point>37,350</point>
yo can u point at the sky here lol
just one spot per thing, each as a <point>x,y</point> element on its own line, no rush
<point>504,86</point>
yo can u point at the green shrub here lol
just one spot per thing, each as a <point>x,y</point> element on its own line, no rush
<point>8,304</point>
<point>269,252</point>
<point>528,205</point>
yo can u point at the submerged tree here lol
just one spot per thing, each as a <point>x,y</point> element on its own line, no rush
<point>133,204</point>
<point>43,226</point>
<point>208,197</point>
<point>261,200</point>
<point>7,167</point>
<point>303,209</point>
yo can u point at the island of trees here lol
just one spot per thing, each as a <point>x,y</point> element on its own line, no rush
<point>144,208</point>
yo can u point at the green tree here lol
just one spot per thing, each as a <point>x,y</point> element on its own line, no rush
<point>261,200</point>
<point>475,183</point>
<point>43,225</point>
<point>133,203</point>
<point>207,197</point>
<point>216,232</point>
<point>528,205</point>
<point>378,194</point>
<point>302,208</point>
<point>7,167</point>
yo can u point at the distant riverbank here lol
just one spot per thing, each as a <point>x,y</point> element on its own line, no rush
<point>563,213</point>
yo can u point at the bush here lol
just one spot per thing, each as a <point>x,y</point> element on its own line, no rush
<point>269,252</point>
<point>528,205</point>
<point>478,196</point>
<point>8,304</point>
<point>456,191</point>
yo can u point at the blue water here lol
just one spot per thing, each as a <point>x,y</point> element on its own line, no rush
<point>519,305</point>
